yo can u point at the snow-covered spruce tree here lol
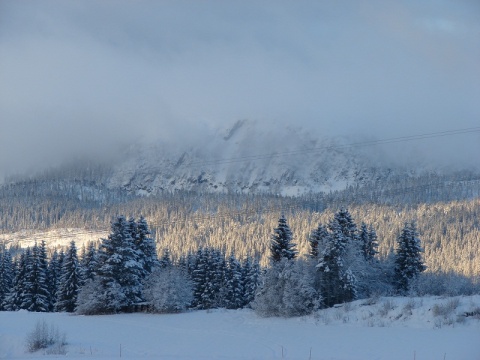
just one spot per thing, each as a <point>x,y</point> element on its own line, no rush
<point>234,284</point>
<point>368,241</point>
<point>375,274</point>
<point>345,223</point>
<point>145,245</point>
<point>337,281</point>
<point>250,274</point>
<point>54,270</point>
<point>6,277</point>
<point>89,262</point>
<point>317,241</point>
<point>166,260</point>
<point>198,274</point>
<point>219,269</point>
<point>286,289</point>
<point>188,262</point>
<point>14,299</point>
<point>117,281</point>
<point>281,245</point>
<point>408,260</point>
<point>168,290</point>
<point>70,281</point>
<point>132,274</point>
<point>182,263</point>
<point>203,277</point>
<point>356,264</point>
<point>36,295</point>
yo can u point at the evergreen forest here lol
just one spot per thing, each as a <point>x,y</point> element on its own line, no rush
<point>282,256</point>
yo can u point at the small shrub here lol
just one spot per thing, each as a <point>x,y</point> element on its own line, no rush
<point>386,306</point>
<point>347,307</point>
<point>408,307</point>
<point>437,324</point>
<point>338,315</point>
<point>370,301</point>
<point>57,349</point>
<point>474,313</point>
<point>46,337</point>
<point>447,309</point>
<point>449,321</point>
<point>398,316</point>
<point>438,310</point>
<point>367,315</point>
<point>326,319</point>
<point>322,316</point>
<point>443,313</point>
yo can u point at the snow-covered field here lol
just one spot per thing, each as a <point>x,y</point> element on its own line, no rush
<point>429,328</point>
<point>55,238</point>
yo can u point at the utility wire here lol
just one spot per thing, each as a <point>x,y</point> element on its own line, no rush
<point>338,147</point>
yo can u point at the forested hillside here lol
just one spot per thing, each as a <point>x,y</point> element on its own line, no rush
<point>446,209</point>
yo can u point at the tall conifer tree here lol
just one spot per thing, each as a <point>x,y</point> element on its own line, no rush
<point>368,241</point>
<point>6,277</point>
<point>281,245</point>
<point>408,260</point>
<point>36,292</point>
<point>89,262</point>
<point>337,283</point>
<point>317,241</point>
<point>14,299</point>
<point>119,271</point>
<point>146,245</point>
<point>70,281</point>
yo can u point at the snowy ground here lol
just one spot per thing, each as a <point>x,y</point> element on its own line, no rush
<point>430,328</point>
<point>55,238</point>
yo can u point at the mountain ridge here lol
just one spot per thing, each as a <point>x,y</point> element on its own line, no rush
<point>249,157</point>
<point>246,158</point>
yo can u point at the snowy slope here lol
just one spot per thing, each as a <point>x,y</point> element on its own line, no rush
<point>55,238</point>
<point>353,331</point>
<point>248,157</point>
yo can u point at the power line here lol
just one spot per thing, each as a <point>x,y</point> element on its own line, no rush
<point>338,147</point>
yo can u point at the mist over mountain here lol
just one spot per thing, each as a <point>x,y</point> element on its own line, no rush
<point>85,78</point>
<point>250,157</point>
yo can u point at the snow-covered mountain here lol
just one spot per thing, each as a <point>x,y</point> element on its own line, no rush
<point>247,157</point>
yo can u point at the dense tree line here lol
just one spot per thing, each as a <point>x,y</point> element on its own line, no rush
<point>343,265</point>
<point>241,223</point>
<point>79,197</point>
<point>124,273</point>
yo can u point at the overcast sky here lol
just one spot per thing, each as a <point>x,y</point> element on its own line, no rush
<point>78,75</point>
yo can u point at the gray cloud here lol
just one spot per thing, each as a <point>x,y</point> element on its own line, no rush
<point>81,76</point>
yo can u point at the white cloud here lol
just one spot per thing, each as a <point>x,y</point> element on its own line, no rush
<point>78,75</point>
